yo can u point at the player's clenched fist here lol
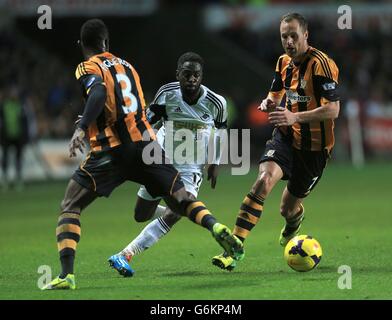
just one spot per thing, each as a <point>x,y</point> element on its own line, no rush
<point>267,105</point>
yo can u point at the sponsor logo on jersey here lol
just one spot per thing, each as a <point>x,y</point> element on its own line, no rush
<point>178,109</point>
<point>294,97</point>
<point>188,125</point>
<point>302,83</point>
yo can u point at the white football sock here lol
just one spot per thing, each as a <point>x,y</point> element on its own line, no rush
<point>159,211</point>
<point>155,230</point>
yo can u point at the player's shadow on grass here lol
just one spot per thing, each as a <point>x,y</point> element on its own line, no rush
<point>218,284</point>
<point>222,273</point>
<point>186,274</point>
<point>210,273</point>
<point>246,273</point>
<point>364,269</point>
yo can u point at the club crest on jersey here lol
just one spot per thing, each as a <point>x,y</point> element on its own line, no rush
<point>302,83</point>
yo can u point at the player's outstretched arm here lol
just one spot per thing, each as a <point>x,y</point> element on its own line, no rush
<point>284,117</point>
<point>94,106</point>
<point>328,111</point>
<point>212,174</point>
<point>220,140</point>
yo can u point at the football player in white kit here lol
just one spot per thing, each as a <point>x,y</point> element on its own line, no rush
<point>182,105</point>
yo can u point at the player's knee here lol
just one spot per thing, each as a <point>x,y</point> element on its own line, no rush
<point>181,195</point>
<point>179,201</point>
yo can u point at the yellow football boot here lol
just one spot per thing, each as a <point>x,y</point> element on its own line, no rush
<point>61,284</point>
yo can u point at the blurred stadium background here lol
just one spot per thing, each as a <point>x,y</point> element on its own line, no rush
<point>240,43</point>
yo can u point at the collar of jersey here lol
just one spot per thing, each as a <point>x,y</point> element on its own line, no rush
<point>202,96</point>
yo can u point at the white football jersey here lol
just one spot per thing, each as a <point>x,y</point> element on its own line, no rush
<point>188,149</point>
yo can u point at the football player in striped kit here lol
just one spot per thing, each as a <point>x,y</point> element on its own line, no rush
<point>115,123</point>
<point>306,82</point>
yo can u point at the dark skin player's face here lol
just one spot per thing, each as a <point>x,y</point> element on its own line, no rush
<point>294,39</point>
<point>190,76</point>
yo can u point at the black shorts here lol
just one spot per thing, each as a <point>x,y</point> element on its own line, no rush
<point>302,169</point>
<point>102,172</point>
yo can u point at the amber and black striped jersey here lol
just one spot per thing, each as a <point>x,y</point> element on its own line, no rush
<point>123,119</point>
<point>304,87</point>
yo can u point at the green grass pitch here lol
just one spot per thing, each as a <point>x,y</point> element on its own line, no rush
<point>349,212</point>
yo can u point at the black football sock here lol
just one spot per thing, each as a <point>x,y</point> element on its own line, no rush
<point>68,235</point>
<point>197,212</point>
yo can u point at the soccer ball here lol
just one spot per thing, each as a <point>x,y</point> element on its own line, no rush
<point>303,253</point>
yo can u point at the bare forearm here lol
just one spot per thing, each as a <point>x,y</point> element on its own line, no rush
<point>327,112</point>
<point>284,117</point>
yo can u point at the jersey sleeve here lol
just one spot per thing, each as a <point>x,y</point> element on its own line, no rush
<point>160,96</point>
<point>220,118</point>
<point>156,111</point>
<point>219,136</point>
<point>276,90</point>
<point>88,75</point>
<point>325,79</point>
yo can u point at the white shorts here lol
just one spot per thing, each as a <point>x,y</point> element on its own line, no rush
<point>192,182</point>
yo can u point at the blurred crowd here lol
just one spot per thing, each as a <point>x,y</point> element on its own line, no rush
<point>362,55</point>
<point>48,90</point>
<point>43,86</point>
<point>39,97</point>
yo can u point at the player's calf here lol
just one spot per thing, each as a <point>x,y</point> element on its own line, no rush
<point>151,234</point>
<point>68,233</point>
<point>170,218</point>
<point>248,216</point>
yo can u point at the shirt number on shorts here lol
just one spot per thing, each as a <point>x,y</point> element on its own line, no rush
<point>197,180</point>
<point>126,89</point>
